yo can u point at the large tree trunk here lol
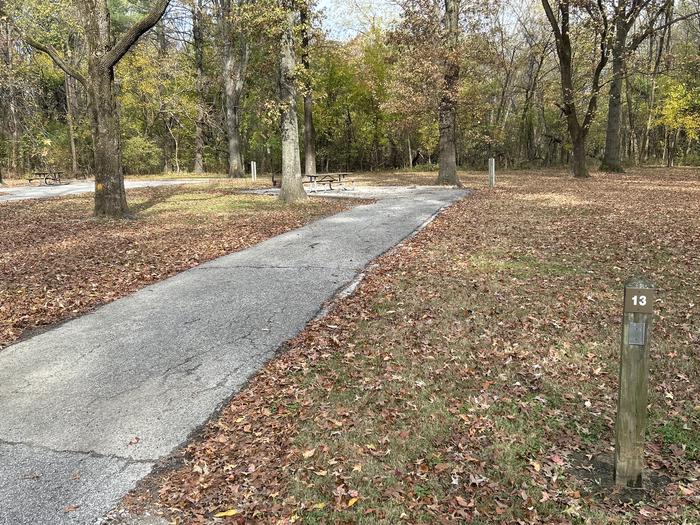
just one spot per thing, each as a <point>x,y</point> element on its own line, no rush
<point>577,133</point>
<point>292,184</point>
<point>448,156</point>
<point>579,168</point>
<point>235,57</point>
<point>110,195</point>
<point>447,111</point>
<point>198,43</point>
<point>232,97</point>
<point>612,158</point>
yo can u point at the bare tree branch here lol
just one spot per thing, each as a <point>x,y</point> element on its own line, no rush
<point>115,54</point>
<point>651,28</point>
<point>554,23</point>
<point>57,59</point>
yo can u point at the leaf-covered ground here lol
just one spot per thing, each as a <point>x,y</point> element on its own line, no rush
<point>472,377</point>
<point>56,261</point>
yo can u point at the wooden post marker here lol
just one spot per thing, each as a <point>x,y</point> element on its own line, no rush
<point>492,172</point>
<point>634,383</point>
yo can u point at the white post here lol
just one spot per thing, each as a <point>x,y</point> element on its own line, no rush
<point>492,172</point>
<point>254,171</point>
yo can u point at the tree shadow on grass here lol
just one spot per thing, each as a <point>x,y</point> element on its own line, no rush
<point>158,196</point>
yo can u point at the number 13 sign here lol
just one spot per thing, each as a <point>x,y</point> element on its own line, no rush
<point>639,300</point>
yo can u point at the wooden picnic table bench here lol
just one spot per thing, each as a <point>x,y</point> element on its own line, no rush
<point>327,178</point>
<point>339,179</point>
<point>46,175</point>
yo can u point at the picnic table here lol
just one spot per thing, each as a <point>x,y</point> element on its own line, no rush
<point>320,179</point>
<point>327,178</point>
<point>48,176</point>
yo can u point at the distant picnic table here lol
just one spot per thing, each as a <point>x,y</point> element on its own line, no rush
<point>48,176</point>
<point>319,179</point>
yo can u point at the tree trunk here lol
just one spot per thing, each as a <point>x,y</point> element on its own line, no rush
<point>612,161</point>
<point>13,123</point>
<point>292,184</point>
<point>14,139</point>
<point>167,149</point>
<point>235,57</point>
<point>634,146</point>
<point>176,146</point>
<point>232,98</point>
<point>579,169</point>
<point>309,131</point>
<point>447,173</point>
<point>671,142</point>
<point>164,115</point>
<point>198,43</point>
<point>646,141</point>
<point>69,121</point>
<point>309,136</point>
<point>448,163</point>
<point>110,195</point>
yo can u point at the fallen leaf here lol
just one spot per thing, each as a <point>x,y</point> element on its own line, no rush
<point>461,501</point>
<point>226,513</point>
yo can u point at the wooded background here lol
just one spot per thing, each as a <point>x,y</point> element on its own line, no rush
<point>200,91</point>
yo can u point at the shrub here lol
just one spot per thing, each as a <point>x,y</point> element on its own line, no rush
<point>141,155</point>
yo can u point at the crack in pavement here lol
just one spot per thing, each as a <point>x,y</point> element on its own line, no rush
<point>88,453</point>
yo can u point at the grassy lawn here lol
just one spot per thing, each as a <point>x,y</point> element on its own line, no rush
<point>370,178</point>
<point>242,183</point>
<point>472,376</point>
<point>56,261</point>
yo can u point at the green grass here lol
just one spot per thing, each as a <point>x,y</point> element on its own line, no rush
<point>520,266</point>
<point>685,434</point>
<point>205,202</point>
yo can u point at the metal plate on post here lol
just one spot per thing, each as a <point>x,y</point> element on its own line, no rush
<point>640,300</point>
<point>636,333</point>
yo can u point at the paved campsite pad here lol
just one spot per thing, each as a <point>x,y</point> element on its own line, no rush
<point>89,407</point>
